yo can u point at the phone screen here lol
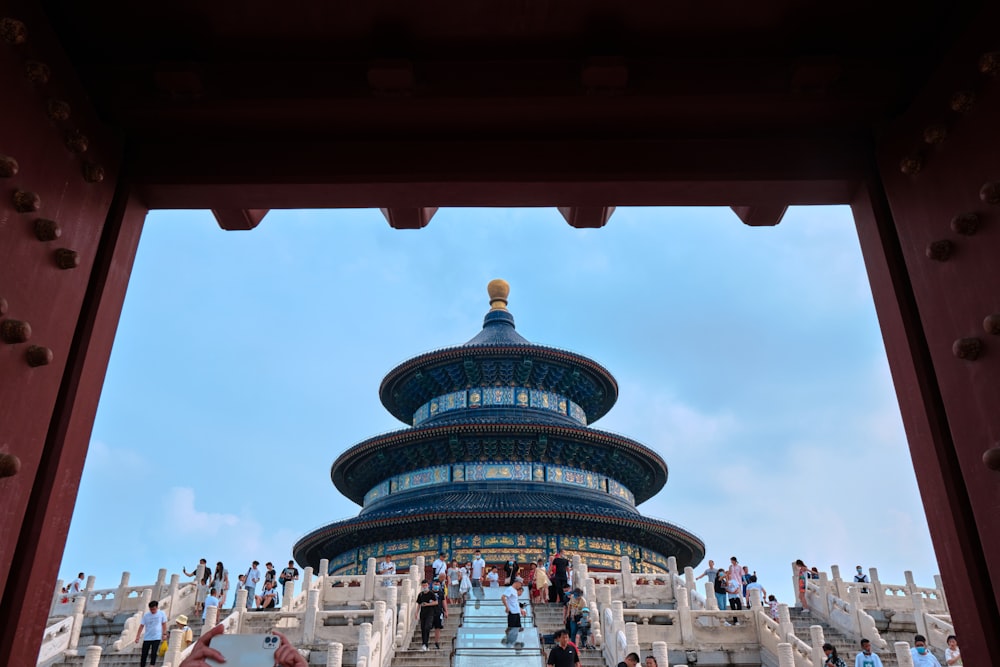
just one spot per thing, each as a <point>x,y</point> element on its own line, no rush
<point>246,650</point>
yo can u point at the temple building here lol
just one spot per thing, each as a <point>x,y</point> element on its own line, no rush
<point>499,455</point>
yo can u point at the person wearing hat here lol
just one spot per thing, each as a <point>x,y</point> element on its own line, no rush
<point>187,636</point>
<point>573,611</point>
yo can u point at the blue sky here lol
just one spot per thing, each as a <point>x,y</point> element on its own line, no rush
<point>749,358</point>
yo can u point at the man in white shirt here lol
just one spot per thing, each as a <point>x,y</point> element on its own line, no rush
<point>478,567</point>
<point>440,566</point>
<point>514,612</point>
<point>76,586</point>
<point>253,576</point>
<point>152,630</point>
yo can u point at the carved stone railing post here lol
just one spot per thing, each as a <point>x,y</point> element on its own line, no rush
<point>618,621</point>
<point>417,572</point>
<point>795,579</point>
<point>364,642</point>
<point>939,587</point>
<point>79,605</point>
<point>91,580</point>
<point>160,589</point>
<point>711,602</point>
<point>175,583</point>
<point>689,584</point>
<point>661,654</point>
<point>755,599</point>
<point>672,565</point>
<point>384,630</point>
<point>837,583</point>
<point>92,658</point>
<point>307,577</point>
<point>392,602</point>
<point>371,567</point>
<point>575,564</point>
<point>627,584</point>
<point>877,588</point>
<point>122,593</point>
<point>816,639</point>
<point>288,595</point>
<point>57,596</point>
<point>241,599</point>
<point>903,655</point>
<point>589,591</point>
<point>604,597</point>
<point>144,600</point>
<point>632,638</point>
<point>586,584</point>
<point>173,646</point>
<point>684,615</point>
<point>917,602</point>
<point>335,654</point>
<point>311,614</point>
<point>785,656</point>
<point>785,621</point>
<point>596,617</point>
<point>211,617</point>
<point>324,567</point>
<point>824,596</point>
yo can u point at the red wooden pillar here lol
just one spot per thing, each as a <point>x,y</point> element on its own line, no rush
<point>930,233</point>
<point>68,235</point>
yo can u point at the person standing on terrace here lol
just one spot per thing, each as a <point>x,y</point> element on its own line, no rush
<point>388,569</point>
<point>709,572</point>
<point>803,576</point>
<point>478,569</point>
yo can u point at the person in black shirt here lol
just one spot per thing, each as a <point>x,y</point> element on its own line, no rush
<point>510,569</point>
<point>427,610</point>
<point>563,654</point>
<point>559,578</point>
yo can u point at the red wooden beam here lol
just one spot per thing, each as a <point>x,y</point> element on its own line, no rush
<point>587,217</point>
<point>233,219</point>
<point>760,216</point>
<point>409,218</point>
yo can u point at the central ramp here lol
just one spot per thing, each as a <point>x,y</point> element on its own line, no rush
<point>484,624</point>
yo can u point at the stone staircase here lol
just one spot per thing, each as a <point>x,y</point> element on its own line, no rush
<point>412,656</point>
<point>549,618</point>
<point>846,647</point>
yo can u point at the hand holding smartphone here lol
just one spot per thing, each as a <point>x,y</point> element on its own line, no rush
<point>246,650</point>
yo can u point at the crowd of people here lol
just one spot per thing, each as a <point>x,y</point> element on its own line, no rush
<point>213,585</point>
<point>734,588</point>
<point>450,584</point>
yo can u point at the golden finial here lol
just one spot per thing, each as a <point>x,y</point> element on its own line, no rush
<point>498,290</point>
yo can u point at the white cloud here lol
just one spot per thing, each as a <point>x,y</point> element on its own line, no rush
<point>185,520</point>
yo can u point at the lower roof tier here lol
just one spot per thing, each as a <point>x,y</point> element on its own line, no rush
<point>453,513</point>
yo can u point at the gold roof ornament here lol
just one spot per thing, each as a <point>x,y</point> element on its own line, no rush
<point>498,289</point>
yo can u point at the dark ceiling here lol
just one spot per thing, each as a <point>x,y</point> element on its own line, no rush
<point>308,91</point>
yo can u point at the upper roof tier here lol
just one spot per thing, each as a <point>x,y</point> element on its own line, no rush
<point>498,356</point>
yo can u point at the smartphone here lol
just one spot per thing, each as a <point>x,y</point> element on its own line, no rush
<point>246,650</point>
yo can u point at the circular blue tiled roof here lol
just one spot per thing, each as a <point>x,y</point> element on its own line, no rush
<point>498,356</point>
